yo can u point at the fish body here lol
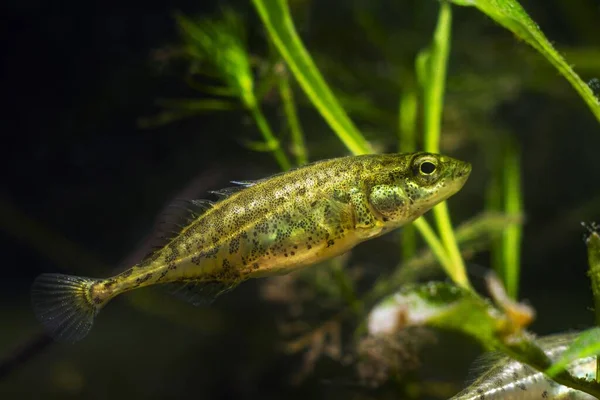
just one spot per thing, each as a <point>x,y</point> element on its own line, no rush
<point>267,227</point>
<point>508,379</point>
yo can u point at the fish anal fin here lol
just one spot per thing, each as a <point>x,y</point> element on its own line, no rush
<point>199,292</point>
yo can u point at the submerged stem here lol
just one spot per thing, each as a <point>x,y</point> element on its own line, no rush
<point>289,107</point>
<point>407,134</point>
<point>437,63</point>
<point>593,245</point>
<point>277,19</point>
<point>434,244</point>
<point>511,243</point>
<point>270,139</point>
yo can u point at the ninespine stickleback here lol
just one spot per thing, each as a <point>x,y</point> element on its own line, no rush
<point>508,379</point>
<point>267,227</point>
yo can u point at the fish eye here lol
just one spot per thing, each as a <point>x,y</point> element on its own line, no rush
<point>427,168</point>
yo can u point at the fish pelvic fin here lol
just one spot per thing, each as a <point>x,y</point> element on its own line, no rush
<point>199,293</point>
<point>64,305</point>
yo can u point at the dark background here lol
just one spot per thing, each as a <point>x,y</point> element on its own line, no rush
<point>81,181</point>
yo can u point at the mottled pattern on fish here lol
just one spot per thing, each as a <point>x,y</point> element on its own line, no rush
<point>511,380</point>
<point>279,224</point>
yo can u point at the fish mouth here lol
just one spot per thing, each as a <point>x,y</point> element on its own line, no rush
<point>462,172</point>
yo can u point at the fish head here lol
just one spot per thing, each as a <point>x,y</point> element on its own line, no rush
<point>416,184</point>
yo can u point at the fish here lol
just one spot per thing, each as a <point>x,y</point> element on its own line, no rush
<point>263,228</point>
<point>508,379</point>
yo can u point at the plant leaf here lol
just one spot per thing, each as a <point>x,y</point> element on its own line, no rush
<point>513,17</point>
<point>276,17</point>
<point>441,305</point>
<point>445,306</point>
<point>587,344</point>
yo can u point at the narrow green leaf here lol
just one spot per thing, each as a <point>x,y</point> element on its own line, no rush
<point>511,241</point>
<point>407,142</point>
<point>511,15</point>
<point>436,246</point>
<point>593,245</point>
<point>494,199</point>
<point>436,63</point>
<point>587,344</point>
<point>289,108</point>
<point>271,141</point>
<point>276,17</point>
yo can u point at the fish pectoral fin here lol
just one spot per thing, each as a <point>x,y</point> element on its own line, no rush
<point>365,223</point>
<point>199,292</point>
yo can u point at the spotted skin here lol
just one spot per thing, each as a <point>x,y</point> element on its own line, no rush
<point>285,222</point>
<point>298,218</point>
<point>511,380</point>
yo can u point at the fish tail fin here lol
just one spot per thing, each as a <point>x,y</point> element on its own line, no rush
<point>64,305</point>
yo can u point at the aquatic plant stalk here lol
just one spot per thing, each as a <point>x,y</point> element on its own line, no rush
<point>434,85</point>
<point>436,246</point>
<point>587,343</point>
<point>494,202</point>
<point>511,240</point>
<point>407,131</point>
<point>289,107</point>
<point>593,244</point>
<point>435,74</point>
<point>275,15</point>
<point>271,141</point>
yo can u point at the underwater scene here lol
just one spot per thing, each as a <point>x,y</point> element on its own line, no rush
<point>300,199</point>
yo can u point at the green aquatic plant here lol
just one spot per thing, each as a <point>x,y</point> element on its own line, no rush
<point>407,135</point>
<point>587,343</point>
<point>220,43</point>
<point>216,47</point>
<point>497,328</point>
<point>277,19</point>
